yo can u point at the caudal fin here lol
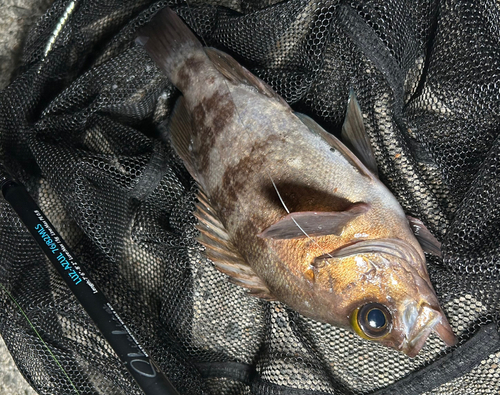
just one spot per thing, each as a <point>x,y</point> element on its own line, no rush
<point>168,41</point>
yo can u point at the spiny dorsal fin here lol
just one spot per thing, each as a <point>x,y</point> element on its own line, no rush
<point>354,135</point>
<point>335,143</point>
<point>427,241</point>
<point>313,223</point>
<point>180,132</point>
<point>236,73</point>
<point>221,251</point>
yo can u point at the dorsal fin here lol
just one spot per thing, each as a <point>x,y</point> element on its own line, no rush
<point>221,251</point>
<point>311,223</point>
<point>236,73</point>
<point>335,143</point>
<point>425,238</point>
<point>354,135</point>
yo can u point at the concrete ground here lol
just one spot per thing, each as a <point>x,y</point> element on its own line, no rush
<point>11,381</point>
<point>17,17</point>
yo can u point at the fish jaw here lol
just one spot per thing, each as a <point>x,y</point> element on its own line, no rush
<point>418,321</point>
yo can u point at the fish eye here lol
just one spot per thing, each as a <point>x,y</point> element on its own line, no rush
<point>372,320</point>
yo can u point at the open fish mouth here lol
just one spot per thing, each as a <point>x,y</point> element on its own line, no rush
<point>418,322</point>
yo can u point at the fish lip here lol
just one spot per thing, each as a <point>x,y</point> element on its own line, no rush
<point>412,347</point>
<point>418,322</point>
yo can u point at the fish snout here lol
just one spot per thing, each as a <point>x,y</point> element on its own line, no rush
<point>418,321</point>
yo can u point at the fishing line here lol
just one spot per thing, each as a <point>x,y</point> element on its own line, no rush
<point>39,337</point>
<point>294,221</point>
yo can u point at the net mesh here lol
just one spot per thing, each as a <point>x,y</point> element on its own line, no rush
<point>82,126</point>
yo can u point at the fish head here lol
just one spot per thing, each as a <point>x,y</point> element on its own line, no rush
<point>403,325</point>
<point>383,293</point>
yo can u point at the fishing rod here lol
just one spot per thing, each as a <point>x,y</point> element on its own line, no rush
<point>151,380</point>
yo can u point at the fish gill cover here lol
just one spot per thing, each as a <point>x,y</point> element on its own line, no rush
<point>83,127</point>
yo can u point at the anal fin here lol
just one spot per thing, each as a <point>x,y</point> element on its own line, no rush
<point>222,252</point>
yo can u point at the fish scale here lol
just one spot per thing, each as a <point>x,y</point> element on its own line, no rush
<point>288,211</point>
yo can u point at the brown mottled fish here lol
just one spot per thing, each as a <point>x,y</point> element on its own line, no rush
<point>288,211</point>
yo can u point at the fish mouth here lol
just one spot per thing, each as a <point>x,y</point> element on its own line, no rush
<point>418,322</point>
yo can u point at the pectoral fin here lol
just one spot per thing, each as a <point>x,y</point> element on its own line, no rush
<point>312,223</point>
<point>354,135</point>
<point>222,252</point>
<point>427,241</point>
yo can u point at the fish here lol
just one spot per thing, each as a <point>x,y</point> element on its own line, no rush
<point>288,211</point>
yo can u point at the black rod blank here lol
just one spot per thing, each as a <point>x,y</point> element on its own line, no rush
<point>148,377</point>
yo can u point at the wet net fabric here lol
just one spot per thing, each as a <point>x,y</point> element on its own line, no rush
<point>83,127</point>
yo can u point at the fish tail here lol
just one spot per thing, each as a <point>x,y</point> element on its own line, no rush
<point>170,43</point>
